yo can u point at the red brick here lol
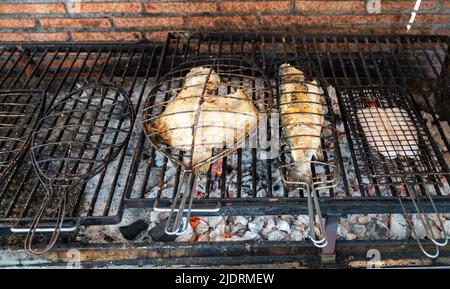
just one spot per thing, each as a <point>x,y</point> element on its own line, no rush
<point>158,36</point>
<point>445,31</point>
<point>399,31</point>
<point>32,8</point>
<point>431,19</point>
<point>74,22</point>
<point>17,23</point>
<point>329,6</point>
<point>325,30</point>
<point>279,20</point>
<point>106,36</point>
<point>222,21</point>
<point>104,7</point>
<point>180,8</point>
<point>366,19</point>
<point>255,6</point>
<point>149,22</point>
<point>407,6</point>
<point>60,36</point>
<point>446,4</point>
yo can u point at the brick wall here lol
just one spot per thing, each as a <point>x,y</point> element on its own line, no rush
<point>115,20</point>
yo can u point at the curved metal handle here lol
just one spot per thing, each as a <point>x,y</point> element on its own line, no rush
<point>35,224</point>
<point>314,206</point>
<point>413,232</point>
<point>424,218</point>
<point>176,223</point>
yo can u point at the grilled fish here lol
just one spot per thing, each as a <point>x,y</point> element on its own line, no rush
<point>302,119</point>
<point>390,131</point>
<point>221,121</point>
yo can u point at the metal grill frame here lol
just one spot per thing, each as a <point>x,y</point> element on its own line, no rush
<point>338,69</point>
<point>314,61</point>
<point>41,66</point>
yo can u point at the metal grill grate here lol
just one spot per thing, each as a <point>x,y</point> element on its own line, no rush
<point>19,111</point>
<point>389,137</point>
<point>139,176</point>
<point>60,70</point>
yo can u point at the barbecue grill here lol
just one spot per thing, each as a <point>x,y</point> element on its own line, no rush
<point>137,178</point>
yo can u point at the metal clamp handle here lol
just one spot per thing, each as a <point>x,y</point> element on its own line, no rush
<point>314,206</point>
<point>425,223</point>
<point>177,223</point>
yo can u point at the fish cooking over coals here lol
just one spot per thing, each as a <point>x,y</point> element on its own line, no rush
<point>390,131</point>
<point>200,116</point>
<point>301,120</point>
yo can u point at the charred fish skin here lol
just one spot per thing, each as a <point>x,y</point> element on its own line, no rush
<point>219,120</point>
<point>302,120</point>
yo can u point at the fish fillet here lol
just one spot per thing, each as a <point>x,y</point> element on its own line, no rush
<point>390,131</point>
<point>222,119</point>
<point>301,119</point>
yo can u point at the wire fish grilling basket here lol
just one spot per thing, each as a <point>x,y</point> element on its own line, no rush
<point>203,110</point>
<point>75,140</point>
<point>309,159</point>
<point>19,112</point>
<point>395,148</point>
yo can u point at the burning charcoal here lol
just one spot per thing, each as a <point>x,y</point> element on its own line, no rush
<point>240,220</point>
<point>296,235</point>
<point>358,229</point>
<point>238,230</point>
<point>419,229</point>
<point>203,238</point>
<point>249,235</point>
<point>269,227</point>
<point>187,236</point>
<point>284,226</point>
<point>167,193</point>
<point>352,219</point>
<point>218,233</point>
<point>131,231</point>
<point>256,225</point>
<point>158,233</point>
<point>201,228</point>
<point>364,220</point>
<point>398,227</point>
<point>214,221</point>
<point>377,230</point>
<point>262,193</point>
<point>303,219</point>
<point>277,236</point>
<point>447,227</point>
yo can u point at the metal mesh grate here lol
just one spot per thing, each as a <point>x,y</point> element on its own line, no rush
<point>19,111</point>
<point>389,137</point>
<point>60,70</point>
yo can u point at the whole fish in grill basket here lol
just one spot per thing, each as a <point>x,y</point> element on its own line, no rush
<point>391,132</point>
<point>19,112</point>
<point>204,110</point>
<point>302,119</point>
<point>74,141</point>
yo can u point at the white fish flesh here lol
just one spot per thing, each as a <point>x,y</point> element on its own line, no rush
<point>302,120</point>
<point>390,131</point>
<point>221,120</point>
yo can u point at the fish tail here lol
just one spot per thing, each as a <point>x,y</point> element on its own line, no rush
<point>301,173</point>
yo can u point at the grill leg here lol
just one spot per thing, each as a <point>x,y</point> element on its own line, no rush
<point>328,255</point>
